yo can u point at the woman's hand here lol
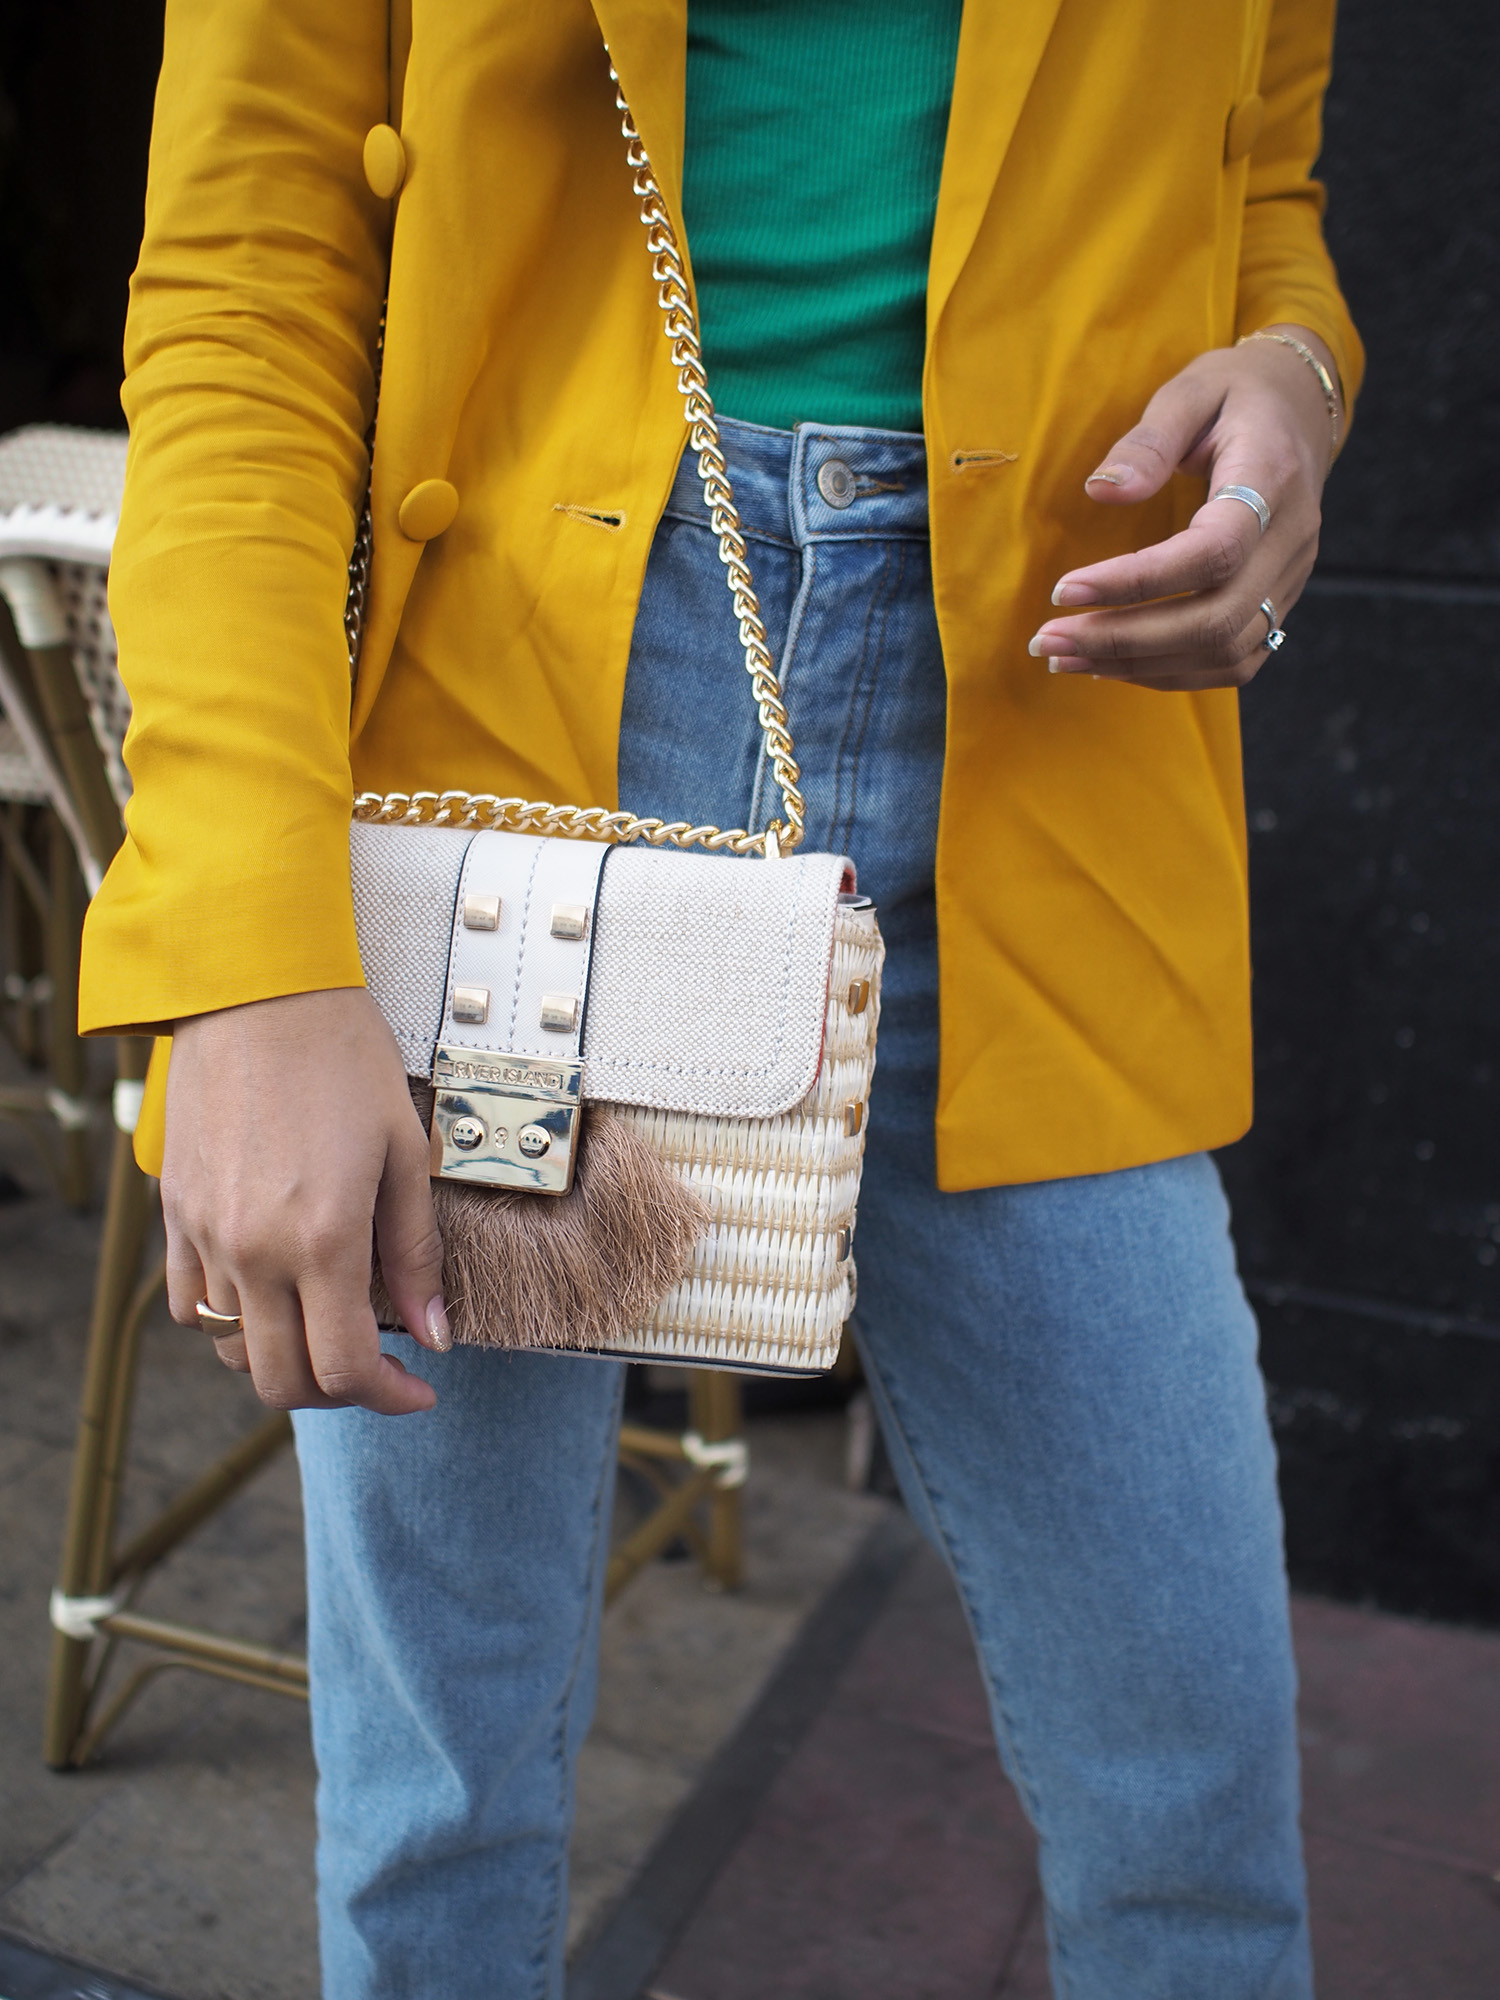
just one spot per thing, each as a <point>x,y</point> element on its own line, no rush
<point>289,1134</point>
<point>1239,416</point>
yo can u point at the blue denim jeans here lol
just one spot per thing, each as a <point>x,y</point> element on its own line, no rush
<point>1065,1371</point>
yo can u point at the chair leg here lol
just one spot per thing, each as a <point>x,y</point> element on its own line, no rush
<point>714,1462</point>
<point>96,1579</point>
<point>67,1059</point>
<point>716,1406</point>
<point>25,903</point>
<point>87,1546</point>
<point>13,913</point>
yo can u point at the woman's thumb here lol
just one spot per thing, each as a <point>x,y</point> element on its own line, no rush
<point>1142,461</point>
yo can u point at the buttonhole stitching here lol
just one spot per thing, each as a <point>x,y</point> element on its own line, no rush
<point>980,460</point>
<point>597,517</point>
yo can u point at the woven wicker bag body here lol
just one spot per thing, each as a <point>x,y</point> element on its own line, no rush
<point>772,1282</point>
<point>646,1082</point>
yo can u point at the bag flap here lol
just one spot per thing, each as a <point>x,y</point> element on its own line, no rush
<point>709,978</point>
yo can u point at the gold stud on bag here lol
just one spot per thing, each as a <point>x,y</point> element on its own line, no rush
<point>645,1071</point>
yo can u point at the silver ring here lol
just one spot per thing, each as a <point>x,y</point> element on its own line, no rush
<point>220,1325</point>
<point>1275,638</point>
<point>1251,499</point>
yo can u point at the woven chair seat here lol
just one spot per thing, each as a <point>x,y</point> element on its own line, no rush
<point>60,504</point>
<point>19,778</point>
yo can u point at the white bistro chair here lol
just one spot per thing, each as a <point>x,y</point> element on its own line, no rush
<point>63,715</point>
<point>62,718</point>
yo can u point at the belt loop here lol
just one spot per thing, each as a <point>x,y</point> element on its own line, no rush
<point>796,487</point>
<point>756,459</point>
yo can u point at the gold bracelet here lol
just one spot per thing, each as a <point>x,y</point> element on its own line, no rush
<point>1325,380</point>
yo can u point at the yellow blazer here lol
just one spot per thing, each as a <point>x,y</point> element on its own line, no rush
<point>1126,183</point>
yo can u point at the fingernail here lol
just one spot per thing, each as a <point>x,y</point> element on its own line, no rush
<point>1052,646</point>
<point>1075,593</point>
<point>437,1326</point>
<point>1112,475</point>
<point>1067,667</point>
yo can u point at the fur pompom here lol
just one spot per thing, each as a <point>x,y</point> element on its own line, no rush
<point>576,1270</point>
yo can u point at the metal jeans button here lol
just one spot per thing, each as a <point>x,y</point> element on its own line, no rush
<point>836,482</point>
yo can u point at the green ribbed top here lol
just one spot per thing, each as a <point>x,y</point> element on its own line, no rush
<point>815,134</point>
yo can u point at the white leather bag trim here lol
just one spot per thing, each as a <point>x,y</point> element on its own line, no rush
<point>709,977</point>
<point>520,961</point>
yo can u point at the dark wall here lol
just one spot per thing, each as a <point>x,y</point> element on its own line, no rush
<point>1367,1200</point>
<point>76,83</point>
<point>1412,163</point>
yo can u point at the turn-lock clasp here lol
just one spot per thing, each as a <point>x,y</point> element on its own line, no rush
<point>505,1121</point>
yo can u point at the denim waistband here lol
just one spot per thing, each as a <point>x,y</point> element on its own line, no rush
<point>818,483</point>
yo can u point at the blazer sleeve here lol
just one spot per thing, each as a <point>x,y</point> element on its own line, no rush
<point>1286,274</point>
<point>249,388</point>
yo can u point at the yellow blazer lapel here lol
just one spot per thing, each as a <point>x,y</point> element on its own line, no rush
<point>999,47</point>
<point>648,45</point>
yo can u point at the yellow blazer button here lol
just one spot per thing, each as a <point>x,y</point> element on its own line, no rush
<point>428,509</point>
<point>1243,129</point>
<point>385,160</point>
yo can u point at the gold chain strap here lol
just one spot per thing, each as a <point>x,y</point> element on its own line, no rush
<point>484,809</point>
<point>362,553</point>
